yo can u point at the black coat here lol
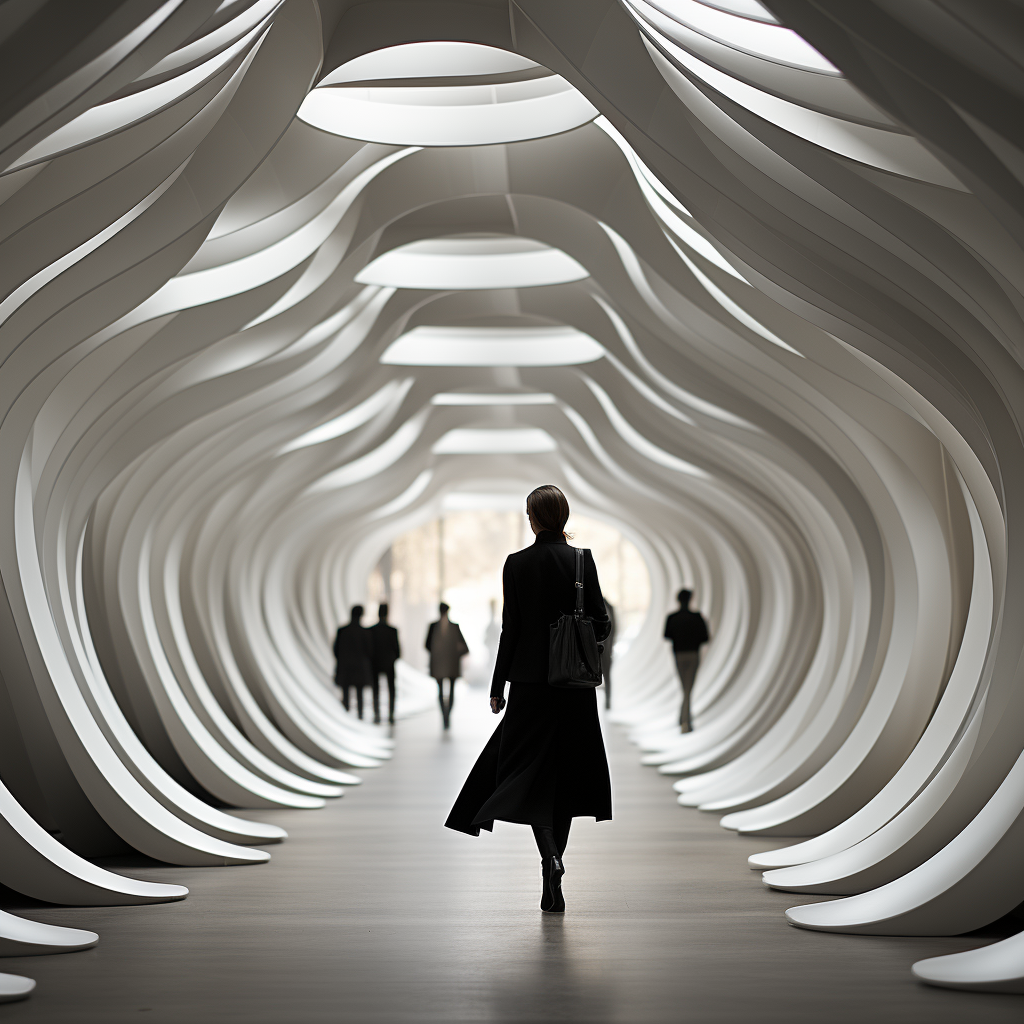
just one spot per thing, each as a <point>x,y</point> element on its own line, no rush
<point>609,643</point>
<point>546,759</point>
<point>539,585</point>
<point>353,649</point>
<point>386,649</point>
<point>686,629</point>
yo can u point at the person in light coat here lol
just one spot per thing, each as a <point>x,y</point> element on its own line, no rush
<point>447,647</point>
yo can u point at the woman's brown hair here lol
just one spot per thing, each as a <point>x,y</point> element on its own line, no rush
<point>547,508</point>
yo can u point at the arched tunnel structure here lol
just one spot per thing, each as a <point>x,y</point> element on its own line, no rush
<point>743,279</point>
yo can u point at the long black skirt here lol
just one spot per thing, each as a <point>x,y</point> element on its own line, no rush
<point>545,762</point>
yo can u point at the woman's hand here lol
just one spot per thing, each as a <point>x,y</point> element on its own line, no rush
<point>497,703</point>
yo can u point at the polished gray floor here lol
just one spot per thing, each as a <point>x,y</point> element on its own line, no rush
<point>374,913</point>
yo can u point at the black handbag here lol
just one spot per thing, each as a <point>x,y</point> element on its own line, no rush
<point>574,658</point>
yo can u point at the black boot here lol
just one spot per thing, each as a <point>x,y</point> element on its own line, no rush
<point>552,901</point>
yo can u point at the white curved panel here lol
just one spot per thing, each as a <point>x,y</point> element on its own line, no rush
<point>19,937</point>
<point>434,59</point>
<point>521,441</point>
<point>492,346</point>
<point>442,115</point>
<point>995,968</point>
<point>468,263</point>
<point>744,33</point>
<point>14,987</point>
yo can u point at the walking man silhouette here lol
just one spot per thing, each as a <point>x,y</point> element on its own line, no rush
<point>386,651</point>
<point>687,630</point>
<point>353,651</point>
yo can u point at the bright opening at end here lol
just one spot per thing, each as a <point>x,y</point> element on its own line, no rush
<point>458,559</point>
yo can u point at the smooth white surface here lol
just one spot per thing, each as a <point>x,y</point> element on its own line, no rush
<point>432,59</point>
<point>472,263</point>
<point>449,115</point>
<point>497,398</point>
<point>995,968</point>
<point>518,441</point>
<point>20,937</point>
<point>492,346</point>
<point>390,395</point>
<point>774,42</point>
<point>14,987</point>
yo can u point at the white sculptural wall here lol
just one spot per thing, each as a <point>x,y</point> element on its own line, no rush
<point>781,325</point>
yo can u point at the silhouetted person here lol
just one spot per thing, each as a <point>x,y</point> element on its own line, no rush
<point>386,651</point>
<point>545,763</point>
<point>447,646</point>
<point>687,630</point>
<point>606,656</point>
<point>353,650</point>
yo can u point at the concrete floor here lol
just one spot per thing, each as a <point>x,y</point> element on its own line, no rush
<point>374,913</point>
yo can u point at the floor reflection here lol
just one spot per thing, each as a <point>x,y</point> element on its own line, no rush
<point>548,976</point>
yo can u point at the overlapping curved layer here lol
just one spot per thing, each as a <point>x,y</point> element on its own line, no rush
<point>772,290</point>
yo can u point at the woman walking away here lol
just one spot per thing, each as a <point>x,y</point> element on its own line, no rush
<point>545,763</point>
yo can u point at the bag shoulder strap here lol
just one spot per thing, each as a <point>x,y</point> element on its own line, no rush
<point>579,581</point>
